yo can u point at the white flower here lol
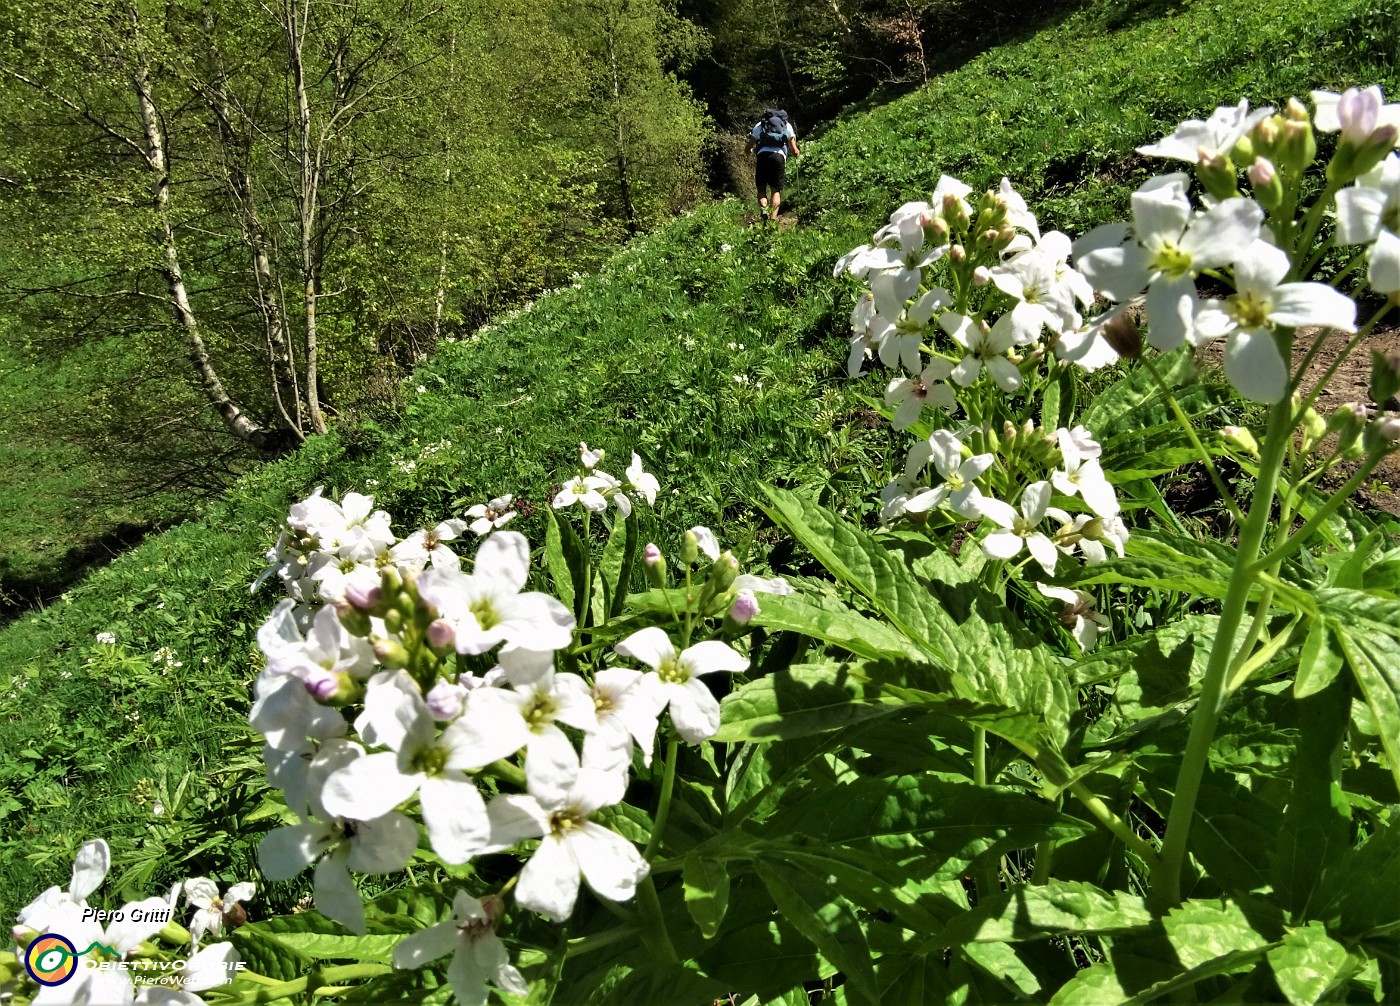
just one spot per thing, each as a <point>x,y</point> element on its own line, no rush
<point>419,760</point>
<point>706,541</point>
<point>1383,273</point>
<point>1045,287</point>
<point>1261,301</point>
<point>908,395</point>
<point>1021,530</point>
<point>583,490</point>
<point>498,722</point>
<point>1371,204</point>
<point>293,726</point>
<point>478,955</point>
<point>675,682</point>
<point>423,548</point>
<point>985,348</point>
<point>203,893</point>
<point>896,331</point>
<point>382,844</point>
<point>625,714</point>
<point>329,647</point>
<point>959,487</point>
<point>487,608</point>
<point>640,482</point>
<point>1357,113</point>
<point>1086,345</point>
<point>1018,214</point>
<point>108,638</point>
<point>496,513</point>
<point>1163,250</point>
<point>90,868</point>
<point>1079,615</point>
<point>771,585</point>
<point>589,459</point>
<point>1080,440</point>
<point>1195,140</point>
<point>570,846</point>
<point>1083,476</point>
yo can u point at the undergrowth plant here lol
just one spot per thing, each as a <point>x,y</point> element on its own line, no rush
<point>1027,741</point>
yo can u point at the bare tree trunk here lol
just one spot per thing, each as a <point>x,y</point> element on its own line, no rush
<point>236,156</point>
<point>306,208</point>
<point>234,418</point>
<point>620,130</point>
<point>440,294</point>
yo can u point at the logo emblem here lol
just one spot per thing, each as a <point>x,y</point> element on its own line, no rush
<point>50,959</point>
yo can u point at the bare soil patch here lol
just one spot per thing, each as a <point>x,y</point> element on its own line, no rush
<point>1350,383</point>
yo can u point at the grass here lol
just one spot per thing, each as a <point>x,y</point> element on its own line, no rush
<point>712,348</point>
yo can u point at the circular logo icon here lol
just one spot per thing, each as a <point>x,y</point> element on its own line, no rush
<point>50,959</point>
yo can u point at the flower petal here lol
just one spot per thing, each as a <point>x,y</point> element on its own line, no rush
<point>1254,366</point>
<point>549,882</point>
<point>383,845</point>
<point>694,711</point>
<point>90,868</point>
<point>426,945</point>
<point>455,815</point>
<point>1297,304</point>
<point>287,851</point>
<point>712,656</point>
<point>368,787</point>
<point>612,865</point>
<point>336,896</point>
<point>651,645</point>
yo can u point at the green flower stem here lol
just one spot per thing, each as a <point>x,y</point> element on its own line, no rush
<point>587,944</point>
<point>1104,814</point>
<point>652,928</point>
<point>1333,504</point>
<point>1044,860</point>
<point>1220,486</point>
<point>325,978</point>
<point>663,809</point>
<point>1166,877</point>
<point>506,772</point>
<point>587,572</point>
<point>988,877</point>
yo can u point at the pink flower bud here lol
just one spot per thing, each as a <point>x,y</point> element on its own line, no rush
<point>1261,172</point>
<point>441,634</point>
<point>363,593</point>
<point>651,555</point>
<point>321,684</point>
<point>957,253</point>
<point>981,276</point>
<point>744,608</point>
<point>444,701</point>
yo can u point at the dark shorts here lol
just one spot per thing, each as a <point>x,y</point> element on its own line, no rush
<point>769,172</point>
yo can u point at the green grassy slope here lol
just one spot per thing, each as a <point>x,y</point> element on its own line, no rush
<point>644,355</point>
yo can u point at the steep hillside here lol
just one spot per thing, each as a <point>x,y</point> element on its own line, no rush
<point>714,348</point>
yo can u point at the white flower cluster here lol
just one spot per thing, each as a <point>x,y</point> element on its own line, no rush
<point>592,488</point>
<point>67,913</point>
<point>372,714</point>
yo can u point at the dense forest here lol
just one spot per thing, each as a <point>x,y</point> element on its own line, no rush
<point>235,224</point>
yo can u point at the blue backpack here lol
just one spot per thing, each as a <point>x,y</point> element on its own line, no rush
<point>773,128</point>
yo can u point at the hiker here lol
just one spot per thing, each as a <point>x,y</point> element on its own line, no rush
<point>773,136</point>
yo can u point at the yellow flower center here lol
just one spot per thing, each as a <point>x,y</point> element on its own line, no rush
<point>673,671</point>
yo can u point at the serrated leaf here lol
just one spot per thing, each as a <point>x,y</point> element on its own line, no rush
<point>1035,912</point>
<point>946,822</point>
<point>1374,660</point>
<point>706,884</point>
<point>840,626</point>
<point>270,957</point>
<point>1202,931</point>
<point>1307,964</point>
<point>824,918</point>
<point>799,701</point>
<point>563,557</point>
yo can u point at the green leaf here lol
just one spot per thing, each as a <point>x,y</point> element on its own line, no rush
<point>1318,661</point>
<point>1307,964</point>
<point>314,935</point>
<point>269,956</point>
<point>1204,931</point>
<point>839,626</point>
<point>1033,913</point>
<point>1122,407</point>
<point>615,567</point>
<point>563,556</point>
<point>1375,663</point>
<point>950,823</point>
<point>706,883</point>
<point>826,919</point>
<point>801,700</point>
<point>862,563</point>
